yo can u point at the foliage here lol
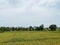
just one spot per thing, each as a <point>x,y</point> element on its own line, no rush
<point>42,27</point>
<point>53,27</point>
<point>30,28</point>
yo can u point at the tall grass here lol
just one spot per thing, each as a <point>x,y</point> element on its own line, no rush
<point>30,38</point>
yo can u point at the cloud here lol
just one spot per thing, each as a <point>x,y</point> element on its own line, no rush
<point>29,12</point>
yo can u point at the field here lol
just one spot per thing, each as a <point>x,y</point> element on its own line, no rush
<point>30,38</point>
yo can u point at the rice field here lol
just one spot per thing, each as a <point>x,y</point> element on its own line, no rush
<point>30,38</point>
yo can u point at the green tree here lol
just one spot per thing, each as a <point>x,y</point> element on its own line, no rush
<point>52,27</point>
<point>30,28</point>
<point>42,27</point>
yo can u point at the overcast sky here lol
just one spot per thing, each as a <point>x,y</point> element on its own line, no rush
<point>29,12</point>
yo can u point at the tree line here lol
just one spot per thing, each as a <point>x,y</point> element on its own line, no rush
<point>52,27</point>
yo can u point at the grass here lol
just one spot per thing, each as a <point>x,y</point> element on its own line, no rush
<point>30,38</point>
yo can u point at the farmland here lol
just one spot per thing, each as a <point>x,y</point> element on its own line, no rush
<point>30,38</point>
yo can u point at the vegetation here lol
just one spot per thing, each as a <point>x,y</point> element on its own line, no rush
<point>53,27</point>
<point>30,28</point>
<point>30,35</point>
<point>30,38</point>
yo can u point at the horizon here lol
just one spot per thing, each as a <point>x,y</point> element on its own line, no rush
<point>15,13</point>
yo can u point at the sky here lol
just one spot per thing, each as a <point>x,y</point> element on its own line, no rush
<point>29,12</point>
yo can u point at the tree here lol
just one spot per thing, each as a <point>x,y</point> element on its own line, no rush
<point>13,28</point>
<point>52,27</point>
<point>42,27</point>
<point>30,28</point>
<point>39,28</point>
